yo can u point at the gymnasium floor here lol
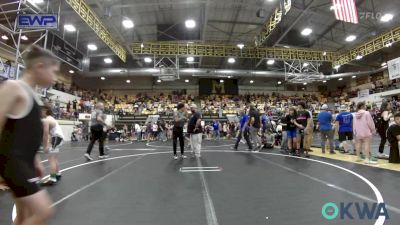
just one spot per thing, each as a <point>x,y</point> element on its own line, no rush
<point>140,184</point>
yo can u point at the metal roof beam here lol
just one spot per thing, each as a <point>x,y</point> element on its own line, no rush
<point>211,50</point>
<point>379,42</point>
<point>270,25</point>
<point>94,22</point>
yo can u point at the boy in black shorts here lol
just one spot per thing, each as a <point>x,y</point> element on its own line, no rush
<point>21,136</point>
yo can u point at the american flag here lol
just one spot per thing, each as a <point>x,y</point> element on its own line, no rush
<point>345,10</point>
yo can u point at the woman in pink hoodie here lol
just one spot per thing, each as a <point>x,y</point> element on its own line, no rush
<point>364,128</point>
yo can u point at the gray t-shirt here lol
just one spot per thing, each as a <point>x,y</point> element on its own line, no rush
<point>180,116</point>
<point>95,114</point>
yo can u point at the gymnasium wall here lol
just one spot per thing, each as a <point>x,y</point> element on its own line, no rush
<point>118,86</point>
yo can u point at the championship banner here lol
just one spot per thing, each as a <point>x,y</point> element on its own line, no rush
<point>216,87</point>
<point>394,68</point>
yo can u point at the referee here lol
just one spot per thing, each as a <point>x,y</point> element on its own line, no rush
<point>96,130</point>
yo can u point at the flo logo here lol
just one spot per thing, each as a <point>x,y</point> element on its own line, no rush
<point>354,210</point>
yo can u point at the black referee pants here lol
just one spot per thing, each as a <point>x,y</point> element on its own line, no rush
<point>96,135</point>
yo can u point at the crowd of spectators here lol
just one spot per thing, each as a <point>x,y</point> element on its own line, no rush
<point>162,131</point>
<point>125,105</point>
<point>143,104</point>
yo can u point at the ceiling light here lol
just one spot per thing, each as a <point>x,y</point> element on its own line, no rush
<point>252,81</point>
<point>127,23</point>
<point>231,60</point>
<point>324,81</point>
<point>36,1</point>
<point>324,54</point>
<point>102,78</point>
<point>306,31</point>
<point>304,83</point>
<point>190,24</point>
<point>69,28</point>
<point>286,46</point>
<point>142,45</point>
<point>279,82</point>
<point>107,60</point>
<point>221,81</point>
<point>351,38</point>
<point>190,59</point>
<point>353,77</point>
<point>305,64</point>
<point>158,81</point>
<point>340,79</point>
<point>24,37</point>
<point>358,57</point>
<point>147,60</point>
<point>337,67</point>
<point>229,77</point>
<point>383,64</point>
<point>128,81</point>
<point>270,61</point>
<point>387,17</point>
<point>4,37</point>
<point>71,71</point>
<point>186,81</point>
<point>92,47</point>
<point>388,44</point>
<point>240,45</point>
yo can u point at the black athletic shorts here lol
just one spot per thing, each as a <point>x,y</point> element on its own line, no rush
<point>345,136</point>
<point>20,176</point>
<point>56,143</point>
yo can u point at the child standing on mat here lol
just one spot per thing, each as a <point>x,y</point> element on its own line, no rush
<point>344,126</point>
<point>177,132</point>
<point>52,134</point>
<point>364,128</point>
<point>292,132</point>
<point>21,135</point>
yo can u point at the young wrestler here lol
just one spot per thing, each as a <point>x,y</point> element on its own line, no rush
<point>21,136</point>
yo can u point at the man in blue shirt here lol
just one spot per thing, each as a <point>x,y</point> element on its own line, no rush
<point>244,130</point>
<point>344,126</point>
<point>215,126</point>
<point>325,126</point>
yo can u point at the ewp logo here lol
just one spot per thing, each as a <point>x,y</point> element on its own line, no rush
<point>331,211</point>
<point>37,21</point>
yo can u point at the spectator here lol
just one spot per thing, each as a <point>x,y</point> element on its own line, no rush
<point>216,130</point>
<point>325,126</point>
<point>255,125</point>
<point>69,106</point>
<point>393,135</point>
<point>195,131</point>
<point>243,131</point>
<point>364,127</point>
<point>382,124</point>
<point>344,126</point>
